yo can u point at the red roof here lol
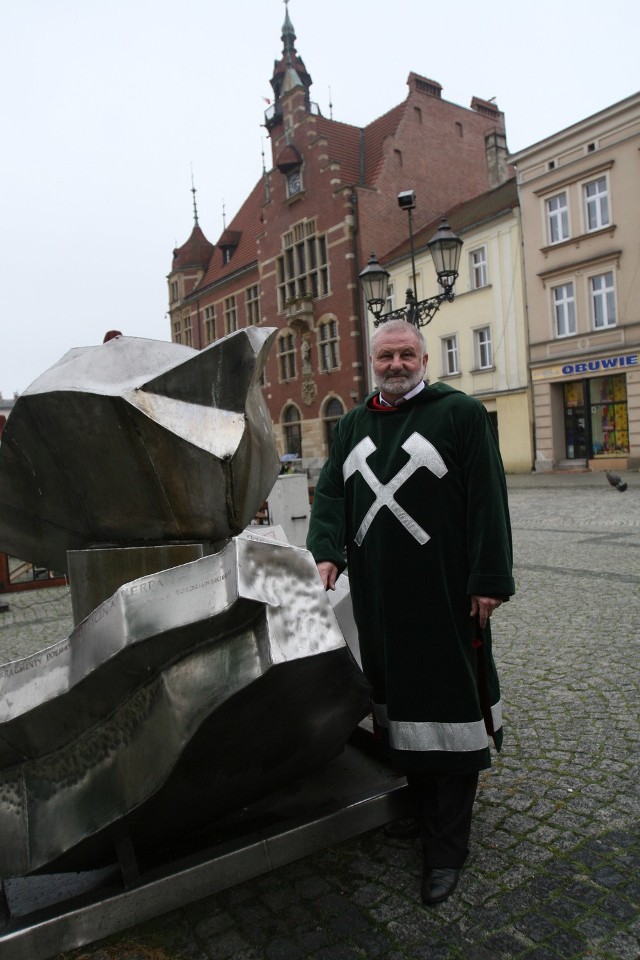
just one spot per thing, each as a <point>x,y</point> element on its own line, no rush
<point>196,252</point>
<point>244,227</point>
<point>462,217</point>
<point>375,135</point>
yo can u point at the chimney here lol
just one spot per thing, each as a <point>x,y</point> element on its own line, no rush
<point>424,85</point>
<point>498,169</point>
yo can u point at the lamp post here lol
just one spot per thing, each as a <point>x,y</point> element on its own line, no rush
<point>445,249</point>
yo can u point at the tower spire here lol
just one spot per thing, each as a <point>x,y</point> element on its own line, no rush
<point>288,72</point>
<point>288,35</point>
<point>195,207</point>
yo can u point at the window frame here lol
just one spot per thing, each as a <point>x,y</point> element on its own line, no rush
<point>481,267</point>
<point>294,182</point>
<point>328,350</point>
<point>598,201</point>
<point>450,355</point>
<point>209,323</point>
<point>485,346</point>
<point>187,329</point>
<point>390,302</point>
<point>558,218</point>
<point>252,304</point>
<point>331,418</point>
<point>230,311</point>
<point>302,267</point>
<point>292,428</point>
<point>286,353</point>
<point>564,308</point>
<point>606,296</point>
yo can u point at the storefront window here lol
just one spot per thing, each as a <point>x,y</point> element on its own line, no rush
<point>609,420</point>
<point>595,417</point>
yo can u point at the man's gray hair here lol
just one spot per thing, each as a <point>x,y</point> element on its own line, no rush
<point>397,326</point>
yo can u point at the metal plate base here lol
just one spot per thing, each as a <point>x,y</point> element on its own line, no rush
<point>355,793</point>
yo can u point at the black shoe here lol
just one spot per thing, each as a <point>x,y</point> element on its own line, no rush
<point>439,883</point>
<point>404,829</point>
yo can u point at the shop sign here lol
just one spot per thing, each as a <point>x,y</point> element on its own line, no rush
<point>607,363</point>
<point>603,365</point>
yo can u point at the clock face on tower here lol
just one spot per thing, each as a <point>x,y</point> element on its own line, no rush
<point>294,183</point>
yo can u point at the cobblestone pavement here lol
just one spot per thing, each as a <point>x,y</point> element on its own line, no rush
<point>555,851</point>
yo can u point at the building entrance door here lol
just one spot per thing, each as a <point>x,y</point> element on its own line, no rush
<point>575,422</point>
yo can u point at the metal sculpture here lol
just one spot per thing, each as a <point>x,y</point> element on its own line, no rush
<point>188,691</point>
<point>184,695</point>
<point>137,441</point>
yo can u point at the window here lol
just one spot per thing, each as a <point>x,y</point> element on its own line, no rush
<point>329,345</point>
<point>558,218</point>
<point>450,355</point>
<point>391,298</point>
<point>177,331</point>
<point>564,306</point>
<point>609,415</point>
<point>603,301</point>
<point>478,268</point>
<point>227,253</point>
<point>187,336</point>
<point>174,290</point>
<point>209,324</point>
<point>483,348</point>
<point>303,268</point>
<point>596,204</point>
<point>252,304</point>
<point>292,431</point>
<point>294,183</point>
<point>332,413</point>
<point>230,314</point>
<point>286,357</point>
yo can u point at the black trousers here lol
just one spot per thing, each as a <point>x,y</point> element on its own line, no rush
<point>444,806</point>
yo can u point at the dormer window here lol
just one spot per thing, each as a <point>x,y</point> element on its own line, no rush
<point>228,243</point>
<point>289,163</point>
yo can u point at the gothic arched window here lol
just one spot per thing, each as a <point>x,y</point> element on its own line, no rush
<point>292,429</point>
<point>332,413</point>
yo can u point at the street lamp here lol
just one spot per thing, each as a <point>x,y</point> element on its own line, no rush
<point>445,249</point>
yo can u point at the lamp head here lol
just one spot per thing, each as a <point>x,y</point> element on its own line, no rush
<point>407,200</point>
<point>445,249</point>
<point>374,279</point>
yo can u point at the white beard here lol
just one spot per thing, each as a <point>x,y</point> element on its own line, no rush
<point>396,385</point>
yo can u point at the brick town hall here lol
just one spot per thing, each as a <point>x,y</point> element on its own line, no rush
<point>291,256</point>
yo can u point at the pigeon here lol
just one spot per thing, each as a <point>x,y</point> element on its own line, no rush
<point>616,481</point>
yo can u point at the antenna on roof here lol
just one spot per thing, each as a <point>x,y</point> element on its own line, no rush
<point>267,194</point>
<point>224,220</point>
<point>330,106</point>
<point>193,191</point>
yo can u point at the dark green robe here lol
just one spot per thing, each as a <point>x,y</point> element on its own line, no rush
<point>416,495</point>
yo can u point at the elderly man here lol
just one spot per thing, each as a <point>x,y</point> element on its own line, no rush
<point>414,493</point>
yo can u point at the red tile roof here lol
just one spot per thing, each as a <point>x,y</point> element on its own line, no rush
<point>245,226</point>
<point>375,135</point>
<point>461,217</point>
<point>196,252</point>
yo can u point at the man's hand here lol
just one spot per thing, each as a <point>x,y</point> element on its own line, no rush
<point>328,574</point>
<point>483,607</point>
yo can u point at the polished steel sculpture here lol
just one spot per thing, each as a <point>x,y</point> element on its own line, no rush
<point>188,692</point>
<point>185,695</point>
<point>137,441</point>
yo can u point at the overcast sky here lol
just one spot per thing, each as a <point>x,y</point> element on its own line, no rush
<point>108,105</point>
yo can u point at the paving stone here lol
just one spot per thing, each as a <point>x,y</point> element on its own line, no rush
<point>555,850</point>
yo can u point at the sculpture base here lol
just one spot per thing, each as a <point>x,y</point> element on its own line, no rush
<point>353,794</point>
